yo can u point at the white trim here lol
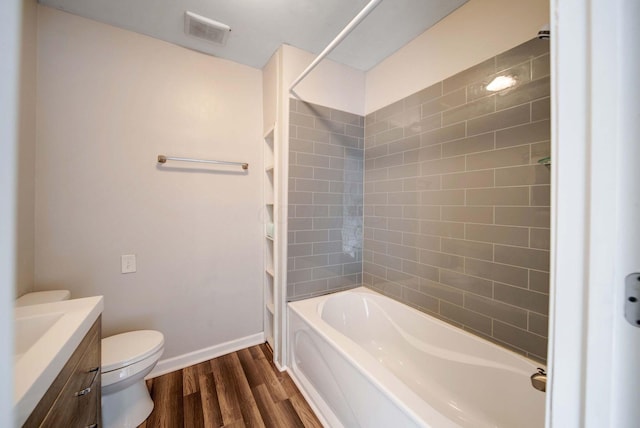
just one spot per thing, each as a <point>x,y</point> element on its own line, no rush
<point>280,367</point>
<point>282,229</point>
<point>181,361</point>
<point>593,374</point>
<point>568,214</point>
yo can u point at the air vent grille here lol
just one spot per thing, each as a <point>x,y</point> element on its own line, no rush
<point>205,29</point>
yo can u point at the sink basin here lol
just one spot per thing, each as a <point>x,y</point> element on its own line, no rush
<point>46,336</point>
<point>31,328</point>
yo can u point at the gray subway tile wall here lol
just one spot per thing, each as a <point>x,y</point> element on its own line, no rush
<point>456,206</point>
<point>326,164</point>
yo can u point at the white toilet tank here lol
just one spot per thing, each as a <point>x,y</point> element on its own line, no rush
<point>39,297</point>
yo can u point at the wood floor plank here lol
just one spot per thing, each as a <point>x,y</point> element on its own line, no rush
<point>276,415</point>
<point>193,414</point>
<point>302,408</point>
<point>289,416</point>
<point>248,407</point>
<point>254,376</point>
<point>227,393</point>
<point>235,424</point>
<point>271,377</point>
<point>241,389</point>
<point>284,379</point>
<point>209,399</point>
<point>288,386</point>
<point>191,374</point>
<point>204,367</point>
<point>167,396</point>
<point>190,383</point>
<point>266,406</point>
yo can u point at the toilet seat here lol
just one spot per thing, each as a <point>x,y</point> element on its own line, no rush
<point>126,349</point>
<point>117,375</point>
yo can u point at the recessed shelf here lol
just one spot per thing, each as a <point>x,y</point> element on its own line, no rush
<point>270,244</point>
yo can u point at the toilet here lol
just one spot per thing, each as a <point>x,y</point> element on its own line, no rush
<point>126,359</point>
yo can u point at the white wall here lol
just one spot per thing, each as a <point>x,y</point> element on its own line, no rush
<point>270,80</point>
<point>329,84</point>
<point>26,149</point>
<point>110,101</point>
<point>474,32</point>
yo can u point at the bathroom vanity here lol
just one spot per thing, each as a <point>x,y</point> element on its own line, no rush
<point>73,399</point>
<point>57,364</point>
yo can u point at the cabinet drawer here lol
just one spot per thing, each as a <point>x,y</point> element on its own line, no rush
<point>61,407</point>
<point>77,404</point>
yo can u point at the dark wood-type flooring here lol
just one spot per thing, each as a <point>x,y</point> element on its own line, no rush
<point>242,389</point>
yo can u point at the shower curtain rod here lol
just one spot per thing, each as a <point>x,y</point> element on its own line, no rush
<point>331,46</point>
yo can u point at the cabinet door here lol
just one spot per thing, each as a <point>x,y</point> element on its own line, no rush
<point>79,401</point>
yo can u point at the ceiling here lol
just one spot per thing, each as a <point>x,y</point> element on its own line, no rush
<point>259,27</point>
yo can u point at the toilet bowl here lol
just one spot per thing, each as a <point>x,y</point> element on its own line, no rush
<point>126,359</point>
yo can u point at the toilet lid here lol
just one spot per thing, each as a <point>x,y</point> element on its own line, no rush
<point>38,297</point>
<point>128,348</point>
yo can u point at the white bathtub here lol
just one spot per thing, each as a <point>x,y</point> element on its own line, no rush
<point>364,360</point>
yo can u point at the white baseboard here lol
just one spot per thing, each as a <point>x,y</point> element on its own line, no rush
<point>181,361</point>
<point>279,367</point>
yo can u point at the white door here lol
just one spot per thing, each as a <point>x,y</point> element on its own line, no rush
<point>594,350</point>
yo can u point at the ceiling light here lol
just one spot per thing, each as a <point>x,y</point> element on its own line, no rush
<point>500,83</point>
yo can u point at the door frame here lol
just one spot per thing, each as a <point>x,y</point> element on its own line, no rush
<point>592,235</point>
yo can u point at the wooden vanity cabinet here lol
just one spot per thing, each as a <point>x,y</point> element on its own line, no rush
<point>73,399</point>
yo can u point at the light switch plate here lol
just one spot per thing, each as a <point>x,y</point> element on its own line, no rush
<point>128,263</point>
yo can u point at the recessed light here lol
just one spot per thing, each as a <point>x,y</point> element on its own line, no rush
<point>500,83</point>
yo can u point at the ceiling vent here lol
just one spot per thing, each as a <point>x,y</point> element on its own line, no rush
<point>205,29</point>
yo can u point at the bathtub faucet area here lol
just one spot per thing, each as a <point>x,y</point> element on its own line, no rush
<point>539,380</point>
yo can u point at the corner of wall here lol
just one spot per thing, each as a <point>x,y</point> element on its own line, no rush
<point>330,84</point>
<point>25,239</point>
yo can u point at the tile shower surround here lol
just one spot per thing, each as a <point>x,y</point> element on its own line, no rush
<point>326,149</point>
<point>456,207</point>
